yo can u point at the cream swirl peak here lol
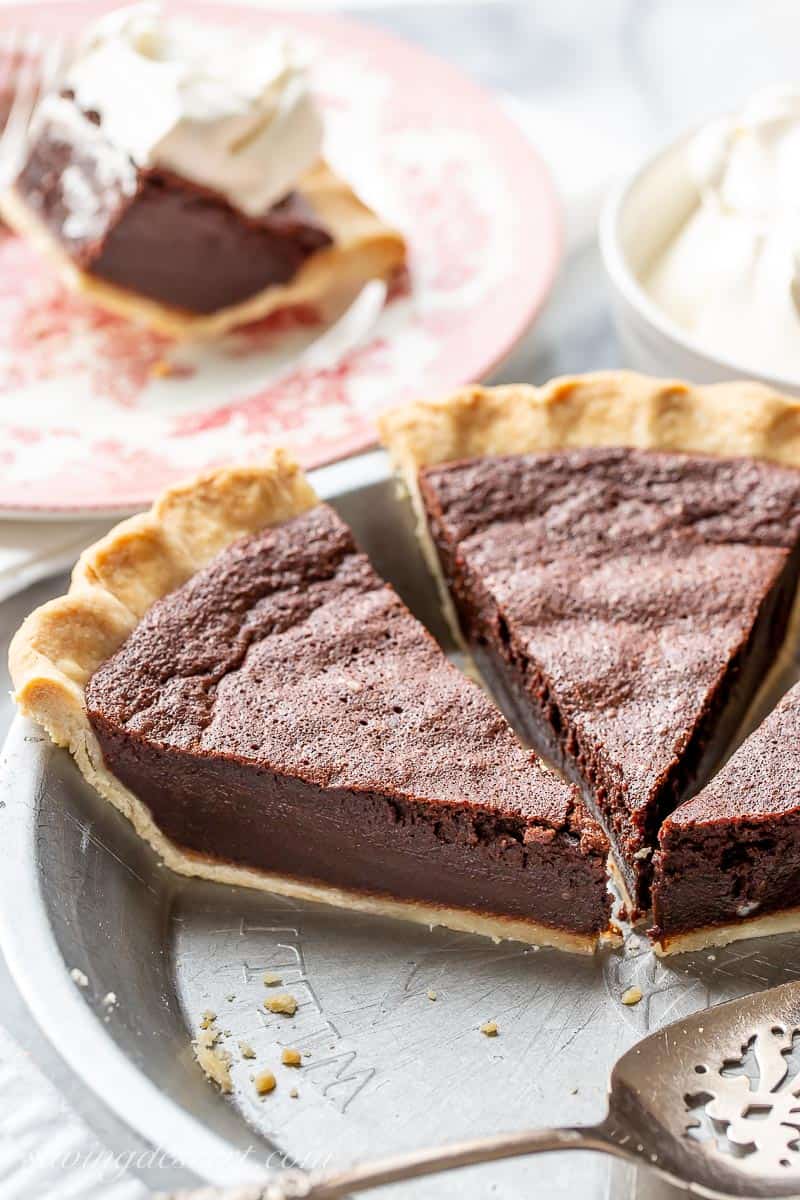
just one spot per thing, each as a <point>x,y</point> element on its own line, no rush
<point>230,112</point>
<point>730,275</point>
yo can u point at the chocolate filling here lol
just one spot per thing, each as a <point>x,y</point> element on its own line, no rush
<point>624,605</point>
<point>153,232</point>
<point>733,851</point>
<point>284,711</point>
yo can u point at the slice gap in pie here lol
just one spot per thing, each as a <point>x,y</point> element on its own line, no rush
<point>231,673</point>
<point>728,864</point>
<point>622,589</point>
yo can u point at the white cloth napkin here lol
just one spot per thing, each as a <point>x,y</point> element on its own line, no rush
<point>584,161</point>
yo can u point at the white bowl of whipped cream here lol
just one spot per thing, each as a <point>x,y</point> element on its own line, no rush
<point>702,246</point>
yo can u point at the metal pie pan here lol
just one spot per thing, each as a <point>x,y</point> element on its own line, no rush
<point>389,1012</point>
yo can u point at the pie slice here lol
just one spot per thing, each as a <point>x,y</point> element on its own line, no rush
<point>175,178</point>
<point>315,249</point>
<point>622,603</point>
<point>728,866</point>
<point>230,672</point>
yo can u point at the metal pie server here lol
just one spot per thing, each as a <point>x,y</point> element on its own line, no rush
<point>711,1103</point>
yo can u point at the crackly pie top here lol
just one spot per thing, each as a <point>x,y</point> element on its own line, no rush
<point>630,578</point>
<point>760,781</point>
<point>595,499</point>
<point>289,653</point>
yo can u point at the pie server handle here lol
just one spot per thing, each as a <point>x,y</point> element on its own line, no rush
<point>333,1185</point>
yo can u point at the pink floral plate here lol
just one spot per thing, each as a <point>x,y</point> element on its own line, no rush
<point>96,415</point>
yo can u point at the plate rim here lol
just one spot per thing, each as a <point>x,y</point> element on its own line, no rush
<point>359,31</point>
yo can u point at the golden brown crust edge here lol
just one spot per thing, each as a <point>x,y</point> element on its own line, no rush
<point>605,408</point>
<point>61,644</point>
<point>364,248</point>
<point>769,924</point>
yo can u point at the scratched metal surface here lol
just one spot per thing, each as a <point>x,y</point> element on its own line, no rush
<point>389,1068</point>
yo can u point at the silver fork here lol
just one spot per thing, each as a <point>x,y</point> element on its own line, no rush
<point>710,1103</point>
<point>30,66</point>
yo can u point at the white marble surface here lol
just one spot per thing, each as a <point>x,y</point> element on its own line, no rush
<point>631,73</point>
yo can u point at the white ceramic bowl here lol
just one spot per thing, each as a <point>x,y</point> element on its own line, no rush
<point>638,220</point>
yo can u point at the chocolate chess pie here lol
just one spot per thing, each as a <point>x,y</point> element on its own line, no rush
<point>230,672</point>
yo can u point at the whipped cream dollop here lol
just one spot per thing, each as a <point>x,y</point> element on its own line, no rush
<point>731,275</point>
<point>229,110</point>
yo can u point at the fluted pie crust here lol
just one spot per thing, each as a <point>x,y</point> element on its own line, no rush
<point>61,645</point>
<point>604,408</point>
<point>363,248</point>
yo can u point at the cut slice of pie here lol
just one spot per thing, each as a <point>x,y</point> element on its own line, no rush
<point>231,673</point>
<point>175,177</point>
<point>728,866</point>
<point>622,603</point>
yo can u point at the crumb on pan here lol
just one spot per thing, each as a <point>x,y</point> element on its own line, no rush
<point>490,1028</point>
<point>216,1064</point>
<point>265,1083</point>
<point>290,1058</point>
<point>271,979</point>
<point>631,995</point>
<point>284,1003</point>
<point>246,1050</point>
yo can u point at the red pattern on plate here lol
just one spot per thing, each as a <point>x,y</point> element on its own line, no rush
<point>97,414</point>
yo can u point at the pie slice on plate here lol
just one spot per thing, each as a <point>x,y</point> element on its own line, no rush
<point>622,587</point>
<point>728,866</point>
<point>176,178</point>
<point>231,673</point>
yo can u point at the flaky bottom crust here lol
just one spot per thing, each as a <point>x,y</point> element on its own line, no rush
<point>462,920</point>
<point>363,249</point>
<point>787,921</point>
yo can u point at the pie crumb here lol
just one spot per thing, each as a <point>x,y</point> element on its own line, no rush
<point>631,995</point>
<point>216,1064</point>
<point>80,977</point>
<point>284,1003</point>
<point>208,1018</point>
<point>293,1092</point>
<point>490,1028</point>
<point>271,979</point>
<point>290,1058</point>
<point>246,1050</point>
<point>265,1083</point>
<point>431,994</point>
